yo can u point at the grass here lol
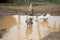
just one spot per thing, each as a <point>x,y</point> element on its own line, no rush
<point>24,4</point>
<point>16,4</point>
<point>34,4</point>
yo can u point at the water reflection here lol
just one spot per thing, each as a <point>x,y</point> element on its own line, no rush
<point>18,28</point>
<point>7,22</point>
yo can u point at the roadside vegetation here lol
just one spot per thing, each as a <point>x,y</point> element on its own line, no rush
<point>34,2</point>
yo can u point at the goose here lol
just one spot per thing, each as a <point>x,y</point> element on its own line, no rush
<point>45,16</point>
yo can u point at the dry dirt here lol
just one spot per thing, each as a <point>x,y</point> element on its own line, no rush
<point>53,9</point>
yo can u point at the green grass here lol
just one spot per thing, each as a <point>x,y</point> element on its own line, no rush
<point>56,1</point>
<point>16,4</point>
<point>34,4</point>
<point>22,4</point>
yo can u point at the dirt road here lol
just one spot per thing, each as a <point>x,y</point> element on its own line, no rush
<point>53,9</point>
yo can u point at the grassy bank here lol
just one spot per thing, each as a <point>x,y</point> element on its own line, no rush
<point>34,3</point>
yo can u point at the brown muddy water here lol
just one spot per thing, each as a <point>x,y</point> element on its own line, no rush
<point>17,27</point>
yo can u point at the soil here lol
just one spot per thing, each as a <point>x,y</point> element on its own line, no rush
<point>38,10</point>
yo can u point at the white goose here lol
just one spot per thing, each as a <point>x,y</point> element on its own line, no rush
<point>45,17</point>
